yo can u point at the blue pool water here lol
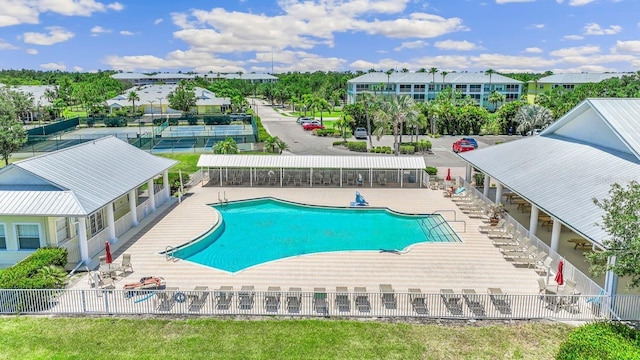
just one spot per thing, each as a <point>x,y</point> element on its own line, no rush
<point>257,231</point>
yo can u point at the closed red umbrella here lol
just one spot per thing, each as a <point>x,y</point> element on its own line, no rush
<point>559,276</point>
<point>107,250</point>
<point>448,178</point>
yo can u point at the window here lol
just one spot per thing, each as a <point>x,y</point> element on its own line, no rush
<point>95,223</point>
<point>62,229</point>
<point>28,236</point>
<point>3,238</point>
<point>418,88</point>
<point>475,88</point>
<point>568,86</point>
<point>512,88</point>
<point>419,97</point>
<point>511,97</point>
<point>362,87</point>
<point>432,87</point>
<point>405,88</point>
<point>461,88</point>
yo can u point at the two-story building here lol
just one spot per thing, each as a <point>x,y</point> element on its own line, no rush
<point>565,81</point>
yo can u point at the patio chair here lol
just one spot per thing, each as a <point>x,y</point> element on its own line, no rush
<point>542,286</point>
<point>474,301</point>
<point>342,298</point>
<point>294,300</point>
<point>388,296</point>
<point>500,300</point>
<point>126,264</point>
<point>166,298</point>
<point>451,301</point>
<point>362,299</point>
<point>486,228</point>
<point>507,232</point>
<point>103,260</point>
<point>320,300</point>
<point>198,298</point>
<point>529,252</point>
<point>382,180</point>
<point>516,245</point>
<point>504,242</point>
<point>418,301</point>
<point>246,296</point>
<point>544,267</point>
<point>531,261</point>
<point>223,297</point>
<point>272,299</point>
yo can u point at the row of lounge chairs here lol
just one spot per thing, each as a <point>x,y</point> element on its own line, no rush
<point>474,301</point>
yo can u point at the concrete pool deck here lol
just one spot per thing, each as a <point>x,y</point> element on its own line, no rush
<point>473,264</point>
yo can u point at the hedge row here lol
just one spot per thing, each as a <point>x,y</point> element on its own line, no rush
<point>326,132</point>
<point>381,150</point>
<point>601,340</point>
<point>25,275</point>
<point>358,146</point>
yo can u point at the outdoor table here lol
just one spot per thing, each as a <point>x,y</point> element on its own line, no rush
<point>582,243</point>
<point>109,269</point>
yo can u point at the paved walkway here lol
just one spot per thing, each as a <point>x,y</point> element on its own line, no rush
<point>475,263</point>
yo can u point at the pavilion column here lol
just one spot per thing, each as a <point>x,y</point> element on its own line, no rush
<point>152,197</point>
<point>82,239</point>
<point>533,220</point>
<point>467,176</point>
<point>133,207</point>
<point>487,182</point>
<point>111,224</point>
<point>498,193</point>
<point>611,279</point>
<point>165,184</point>
<point>555,234</point>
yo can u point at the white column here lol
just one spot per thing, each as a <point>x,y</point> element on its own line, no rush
<point>165,184</point>
<point>555,234</point>
<point>487,182</point>
<point>468,173</point>
<point>111,224</point>
<point>533,220</point>
<point>132,207</point>
<point>82,239</point>
<point>152,198</point>
<point>611,279</point>
<point>498,193</point>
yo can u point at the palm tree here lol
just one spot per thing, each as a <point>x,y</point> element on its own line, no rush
<point>368,102</point>
<point>393,113</point>
<point>444,75</point>
<point>490,72</point>
<point>228,146</point>
<point>133,97</point>
<point>495,98</point>
<point>389,72</point>
<point>422,70</point>
<point>343,123</point>
<point>433,72</point>
<point>532,117</point>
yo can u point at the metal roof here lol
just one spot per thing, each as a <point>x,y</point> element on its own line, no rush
<point>129,76</point>
<point>39,203</point>
<point>311,161</point>
<point>576,78</point>
<point>149,94</point>
<point>425,78</point>
<point>96,173</point>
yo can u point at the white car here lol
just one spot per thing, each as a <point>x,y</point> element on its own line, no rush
<point>360,133</point>
<point>534,132</point>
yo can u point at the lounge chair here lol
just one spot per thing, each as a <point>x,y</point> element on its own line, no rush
<point>272,299</point>
<point>342,298</point>
<point>474,301</point>
<point>514,240</point>
<point>543,268</point>
<point>517,246</point>
<point>320,300</point>
<point>486,228</point>
<point>500,300</point>
<point>418,301</point>
<point>452,301</point>
<point>294,300</point>
<point>246,296</point>
<point>362,299</point>
<point>224,296</point>
<point>388,296</point>
<point>507,232</point>
<point>520,254</point>
<point>126,264</point>
<point>166,298</point>
<point>530,261</point>
<point>143,286</point>
<point>198,298</point>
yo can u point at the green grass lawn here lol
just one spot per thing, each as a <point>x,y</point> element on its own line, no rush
<point>188,163</point>
<point>114,338</point>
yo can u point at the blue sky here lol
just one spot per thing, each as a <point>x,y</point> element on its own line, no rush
<point>326,35</point>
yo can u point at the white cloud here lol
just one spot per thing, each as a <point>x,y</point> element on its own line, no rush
<point>576,51</point>
<point>573,37</point>
<point>54,66</point>
<point>77,69</point>
<point>97,30</point>
<point>16,12</point>
<point>126,33</point>
<point>32,51</point>
<point>631,46</point>
<point>595,29</point>
<point>7,46</point>
<point>538,26</point>
<point>500,61</point>
<point>411,45</point>
<point>463,45</point>
<point>580,2</point>
<point>56,35</point>
<point>533,50</point>
<point>158,21</point>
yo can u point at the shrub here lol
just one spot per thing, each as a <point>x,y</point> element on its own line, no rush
<point>423,145</point>
<point>25,274</point>
<point>338,143</point>
<point>115,122</point>
<point>174,122</point>
<point>217,120</point>
<point>407,149</point>
<point>387,150</point>
<point>431,170</point>
<point>324,132</point>
<point>601,340</point>
<point>158,122</point>
<point>359,146</point>
<point>263,135</point>
<point>192,121</point>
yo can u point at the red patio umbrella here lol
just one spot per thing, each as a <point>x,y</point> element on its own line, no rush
<point>448,178</point>
<point>559,276</point>
<point>107,250</point>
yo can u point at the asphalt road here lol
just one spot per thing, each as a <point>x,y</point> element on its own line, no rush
<point>301,142</point>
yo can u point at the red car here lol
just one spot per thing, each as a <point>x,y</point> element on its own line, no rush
<point>462,146</point>
<point>312,126</point>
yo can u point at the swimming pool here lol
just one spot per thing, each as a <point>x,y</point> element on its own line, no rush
<point>253,232</point>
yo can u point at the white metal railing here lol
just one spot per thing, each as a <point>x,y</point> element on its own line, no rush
<point>123,224</point>
<point>456,305</point>
<point>96,243</point>
<point>584,283</point>
<point>73,251</point>
<point>142,210</point>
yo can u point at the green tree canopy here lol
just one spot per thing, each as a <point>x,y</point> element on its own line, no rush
<point>183,98</point>
<point>12,134</point>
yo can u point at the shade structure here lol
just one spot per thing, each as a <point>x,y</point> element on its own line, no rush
<point>107,250</point>
<point>559,275</point>
<point>448,178</point>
